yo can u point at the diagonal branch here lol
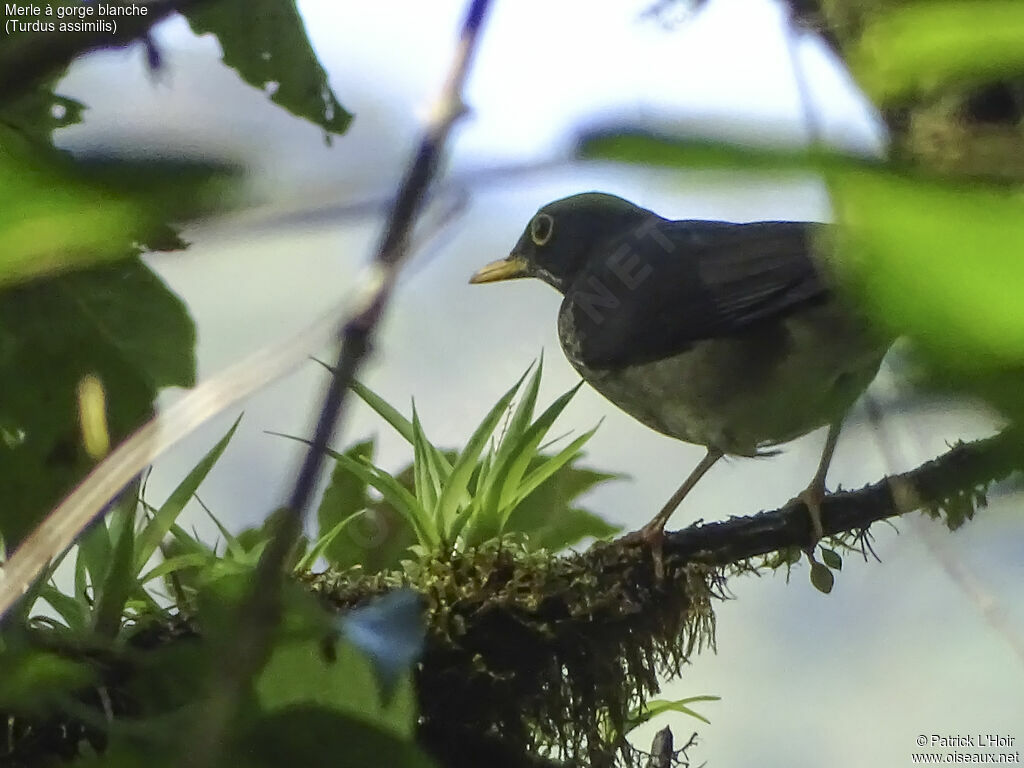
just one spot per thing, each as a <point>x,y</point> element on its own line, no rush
<point>931,486</point>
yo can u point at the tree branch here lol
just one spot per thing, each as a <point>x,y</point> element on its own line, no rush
<point>932,486</point>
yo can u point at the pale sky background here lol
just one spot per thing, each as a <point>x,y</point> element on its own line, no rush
<point>898,649</point>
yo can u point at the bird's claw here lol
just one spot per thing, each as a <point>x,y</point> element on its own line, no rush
<point>812,497</point>
<point>653,537</point>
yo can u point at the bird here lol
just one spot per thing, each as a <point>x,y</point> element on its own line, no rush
<point>731,336</point>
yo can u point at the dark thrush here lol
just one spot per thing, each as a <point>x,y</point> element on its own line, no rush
<point>719,334</point>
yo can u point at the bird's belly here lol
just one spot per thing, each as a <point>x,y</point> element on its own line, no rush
<point>744,394</point>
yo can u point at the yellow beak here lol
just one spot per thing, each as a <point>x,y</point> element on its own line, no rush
<point>502,269</point>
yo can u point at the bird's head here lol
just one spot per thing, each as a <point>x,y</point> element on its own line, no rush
<point>563,236</point>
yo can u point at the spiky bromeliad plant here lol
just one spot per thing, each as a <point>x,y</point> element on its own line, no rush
<point>457,500</point>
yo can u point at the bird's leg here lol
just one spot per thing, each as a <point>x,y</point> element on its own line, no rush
<point>814,494</point>
<point>654,532</point>
<point>660,520</point>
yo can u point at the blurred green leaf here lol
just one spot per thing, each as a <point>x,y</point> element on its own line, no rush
<point>391,632</point>
<point>265,41</point>
<point>75,613</point>
<point>37,113</point>
<point>304,734</point>
<point>57,213</point>
<point>399,497</point>
<point>378,540</point>
<point>299,673</point>
<point>625,145</point>
<point>92,557</point>
<point>309,665</point>
<point>344,496</point>
<point>34,680</point>
<point>918,47</point>
<point>118,322</point>
<point>941,262</point>
<point>119,581</point>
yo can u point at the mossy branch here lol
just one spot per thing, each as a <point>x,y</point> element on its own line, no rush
<point>940,486</point>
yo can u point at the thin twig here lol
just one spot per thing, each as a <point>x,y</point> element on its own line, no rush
<point>260,611</point>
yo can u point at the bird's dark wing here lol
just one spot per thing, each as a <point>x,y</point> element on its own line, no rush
<point>649,297</point>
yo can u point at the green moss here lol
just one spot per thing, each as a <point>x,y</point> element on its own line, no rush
<point>545,655</point>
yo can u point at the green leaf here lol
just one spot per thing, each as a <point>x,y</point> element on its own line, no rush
<point>396,495</point>
<point>634,147</point>
<point>344,497</point>
<point>74,612</point>
<point>523,415</point>
<point>118,322</point>
<point>176,563</point>
<point>391,415</point>
<point>265,41</point>
<point>469,459</point>
<point>391,632</point>
<point>119,581</point>
<point>37,113</point>
<point>537,476</point>
<point>248,545</point>
<point>303,734</point>
<point>918,47</point>
<point>832,559</point>
<point>57,213</point>
<point>425,469</point>
<point>821,577</point>
<point>310,665</point>
<point>160,524</point>
<point>657,707</point>
<point>509,472</point>
<point>377,540</point>
<point>93,556</point>
<point>299,672</point>
<point>321,544</point>
<point>548,516</point>
<point>940,262</point>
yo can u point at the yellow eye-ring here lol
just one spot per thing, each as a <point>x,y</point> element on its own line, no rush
<point>541,228</point>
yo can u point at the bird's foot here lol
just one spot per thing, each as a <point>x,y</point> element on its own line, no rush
<point>812,497</point>
<point>651,536</point>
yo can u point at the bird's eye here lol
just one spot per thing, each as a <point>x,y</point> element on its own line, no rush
<point>541,228</point>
